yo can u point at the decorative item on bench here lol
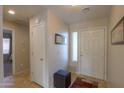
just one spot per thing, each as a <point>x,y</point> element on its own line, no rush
<point>83,83</point>
<point>62,79</point>
<point>117,33</point>
<point>59,39</point>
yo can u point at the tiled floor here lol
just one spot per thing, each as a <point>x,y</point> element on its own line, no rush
<point>19,81</point>
<point>23,81</point>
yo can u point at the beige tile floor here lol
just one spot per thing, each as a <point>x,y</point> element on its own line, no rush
<point>23,81</point>
<point>18,81</point>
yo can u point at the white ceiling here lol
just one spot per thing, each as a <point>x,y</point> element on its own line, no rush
<point>68,13</point>
<point>75,14</point>
<point>23,12</point>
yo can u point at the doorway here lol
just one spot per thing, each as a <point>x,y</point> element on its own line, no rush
<point>93,53</point>
<point>8,62</point>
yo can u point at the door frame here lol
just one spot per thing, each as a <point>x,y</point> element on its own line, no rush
<point>106,44</point>
<point>31,61</point>
<point>13,50</point>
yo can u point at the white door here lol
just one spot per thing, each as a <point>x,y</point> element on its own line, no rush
<point>92,53</point>
<point>38,54</point>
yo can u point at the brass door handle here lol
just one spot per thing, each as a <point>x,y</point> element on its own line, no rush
<point>41,59</point>
<point>81,55</point>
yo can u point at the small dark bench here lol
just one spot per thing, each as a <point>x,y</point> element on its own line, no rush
<point>62,79</point>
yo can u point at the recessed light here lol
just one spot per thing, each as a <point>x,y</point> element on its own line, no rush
<point>74,5</point>
<point>11,12</point>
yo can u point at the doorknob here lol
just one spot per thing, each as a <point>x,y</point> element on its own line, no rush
<point>41,59</point>
<point>81,55</point>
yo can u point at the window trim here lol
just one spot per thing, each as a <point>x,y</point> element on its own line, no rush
<point>73,61</point>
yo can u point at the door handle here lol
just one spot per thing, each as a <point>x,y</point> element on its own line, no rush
<point>41,59</point>
<point>81,55</point>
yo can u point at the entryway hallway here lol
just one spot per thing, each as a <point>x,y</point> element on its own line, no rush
<point>22,80</point>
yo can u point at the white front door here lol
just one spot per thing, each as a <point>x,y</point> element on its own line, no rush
<point>38,54</point>
<point>92,53</point>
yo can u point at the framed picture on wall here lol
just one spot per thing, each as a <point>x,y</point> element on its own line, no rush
<point>59,39</point>
<point>117,33</point>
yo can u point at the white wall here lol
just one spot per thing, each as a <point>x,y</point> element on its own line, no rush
<point>57,54</point>
<point>76,27</point>
<point>116,52</point>
<point>1,43</point>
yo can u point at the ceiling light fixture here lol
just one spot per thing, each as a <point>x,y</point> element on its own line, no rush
<point>11,12</point>
<point>74,5</point>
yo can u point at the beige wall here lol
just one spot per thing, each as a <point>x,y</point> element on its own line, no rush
<point>89,24</point>
<point>57,54</point>
<point>1,55</point>
<point>21,45</point>
<point>84,25</point>
<point>116,52</point>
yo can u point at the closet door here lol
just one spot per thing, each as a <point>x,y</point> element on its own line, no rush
<point>92,52</point>
<point>38,54</point>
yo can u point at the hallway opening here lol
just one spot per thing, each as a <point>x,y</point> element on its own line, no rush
<point>7,52</point>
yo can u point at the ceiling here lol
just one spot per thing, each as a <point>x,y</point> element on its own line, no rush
<point>68,13</point>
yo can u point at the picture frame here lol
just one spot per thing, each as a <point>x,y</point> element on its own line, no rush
<point>59,39</point>
<point>117,33</point>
